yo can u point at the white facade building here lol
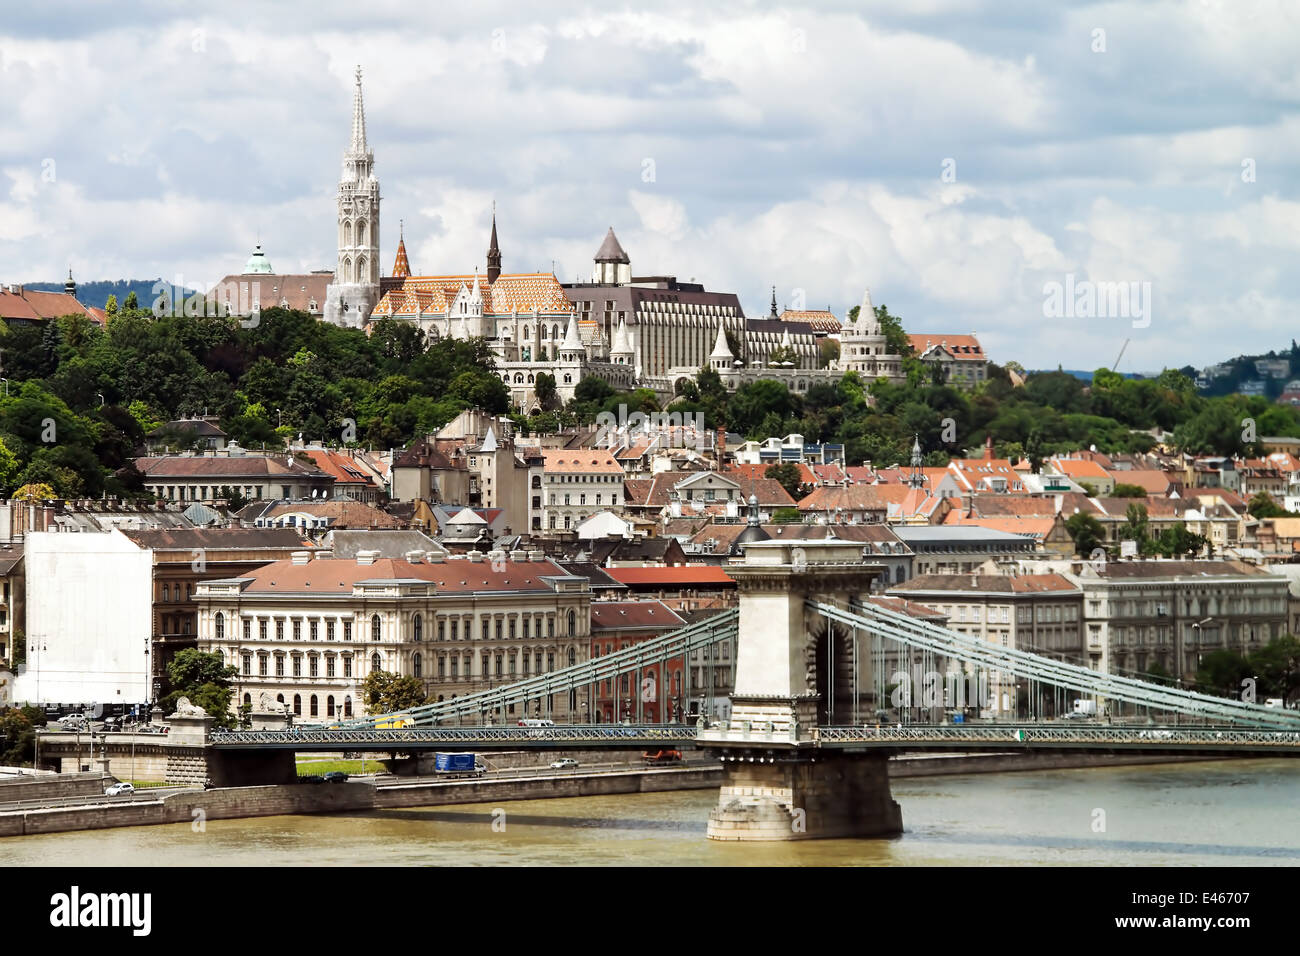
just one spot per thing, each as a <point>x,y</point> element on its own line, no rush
<point>89,620</point>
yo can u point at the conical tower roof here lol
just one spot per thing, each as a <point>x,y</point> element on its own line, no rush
<point>571,341</point>
<point>622,341</point>
<point>721,350</point>
<point>610,250</point>
<point>401,267</point>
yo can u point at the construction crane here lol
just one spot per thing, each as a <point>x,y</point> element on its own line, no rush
<point>1115,367</point>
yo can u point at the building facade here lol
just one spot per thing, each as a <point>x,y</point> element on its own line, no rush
<point>307,631</point>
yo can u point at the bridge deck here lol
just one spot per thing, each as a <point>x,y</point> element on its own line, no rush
<point>1203,739</point>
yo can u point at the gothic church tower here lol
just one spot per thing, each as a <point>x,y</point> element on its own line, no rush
<point>355,289</point>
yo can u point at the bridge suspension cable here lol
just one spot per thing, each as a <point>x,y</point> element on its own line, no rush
<point>931,638</point>
<point>677,643</point>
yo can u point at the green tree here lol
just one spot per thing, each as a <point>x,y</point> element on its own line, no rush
<point>132,302</point>
<point>1086,532</point>
<point>544,389</point>
<point>1262,505</point>
<point>18,735</point>
<point>205,680</point>
<point>110,305</point>
<point>1222,672</point>
<point>1125,490</point>
<point>1277,666</point>
<point>788,476</point>
<point>385,693</point>
<point>786,516</point>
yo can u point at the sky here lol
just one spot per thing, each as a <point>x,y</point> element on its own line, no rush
<point>981,167</point>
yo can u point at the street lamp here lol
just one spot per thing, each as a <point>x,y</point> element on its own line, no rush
<point>6,381</point>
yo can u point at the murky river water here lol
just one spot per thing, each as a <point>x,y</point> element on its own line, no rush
<point>1231,813</point>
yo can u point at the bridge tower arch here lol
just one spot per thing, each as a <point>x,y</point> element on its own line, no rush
<point>794,675</point>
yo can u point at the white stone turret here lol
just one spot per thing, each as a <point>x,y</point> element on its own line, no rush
<point>720,358</point>
<point>571,348</point>
<point>621,352</point>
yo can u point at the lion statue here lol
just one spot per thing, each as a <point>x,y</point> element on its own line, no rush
<point>185,709</point>
<point>266,704</point>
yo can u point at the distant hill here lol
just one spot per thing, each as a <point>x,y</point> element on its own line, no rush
<point>95,294</point>
<point>1084,376</point>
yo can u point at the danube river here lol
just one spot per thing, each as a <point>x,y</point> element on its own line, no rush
<point>1225,813</point>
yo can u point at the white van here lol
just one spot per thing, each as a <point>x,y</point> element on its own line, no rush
<point>536,722</point>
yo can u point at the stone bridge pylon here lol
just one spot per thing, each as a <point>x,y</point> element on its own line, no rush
<point>794,674</point>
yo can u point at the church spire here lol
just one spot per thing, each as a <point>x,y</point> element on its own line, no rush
<point>358,147</point>
<point>402,266</point>
<point>774,315</point>
<point>494,252</point>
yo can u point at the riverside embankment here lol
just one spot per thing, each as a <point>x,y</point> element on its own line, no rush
<point>191,806</point>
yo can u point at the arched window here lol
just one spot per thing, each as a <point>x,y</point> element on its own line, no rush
<point>417,666</point>
<point>279,698</point>
<point>167,593</point>
<point>221,658</point>
<point>220,626</point>
<point>375,663</point>
<point>315,708</point>
<point>417,628</point>
<point>361,232</point>
<point>329,706</point>
<point>374,627</point>
<point>555,331</point>
<point>542,332</point>
<point>248,700</point>
<point>572,657</point>
<point>347,233</point>
<point>573,624</point>
<point>527,332</point>
<point>297,704</point>
<point>347,706</point>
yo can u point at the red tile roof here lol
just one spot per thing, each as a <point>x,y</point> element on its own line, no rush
<point>639,615</point>
<point>964,348</point>
<point>339,575</point>
<point>690,575</point>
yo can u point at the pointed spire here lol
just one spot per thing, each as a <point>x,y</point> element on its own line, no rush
<point>70,287</point>
<point>866,312</point>
<point>571,341</point>
<point>401,266</point>
<point>611,250</point>
<point>494,251</point>
<point>622,343</point>
<point>774,313</point>
<point>489,441</point>
<point>785,339</point>
<point>721,350</point>
<point>358,146</point>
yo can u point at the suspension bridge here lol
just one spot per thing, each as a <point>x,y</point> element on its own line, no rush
<point>828,685</point>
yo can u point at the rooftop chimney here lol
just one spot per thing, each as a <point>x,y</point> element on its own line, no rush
<point>301,557</point>
<point>414,556</point>
<point>367,557</point>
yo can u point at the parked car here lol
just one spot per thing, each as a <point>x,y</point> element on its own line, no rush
<point>336,776</point>
<point>311,778</point>
<point>662,756</point>
<point>1076,715</point>
<point>119,788</point>
<point>564,763</point>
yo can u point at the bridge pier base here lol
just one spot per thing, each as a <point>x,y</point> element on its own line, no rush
<point>804,798</point>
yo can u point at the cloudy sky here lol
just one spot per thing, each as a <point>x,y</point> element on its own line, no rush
<point>957,158</point>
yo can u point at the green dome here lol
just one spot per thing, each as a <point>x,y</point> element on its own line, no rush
<point>258,263</point>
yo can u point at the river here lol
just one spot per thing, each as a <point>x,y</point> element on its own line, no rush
<point>1225,813</point>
